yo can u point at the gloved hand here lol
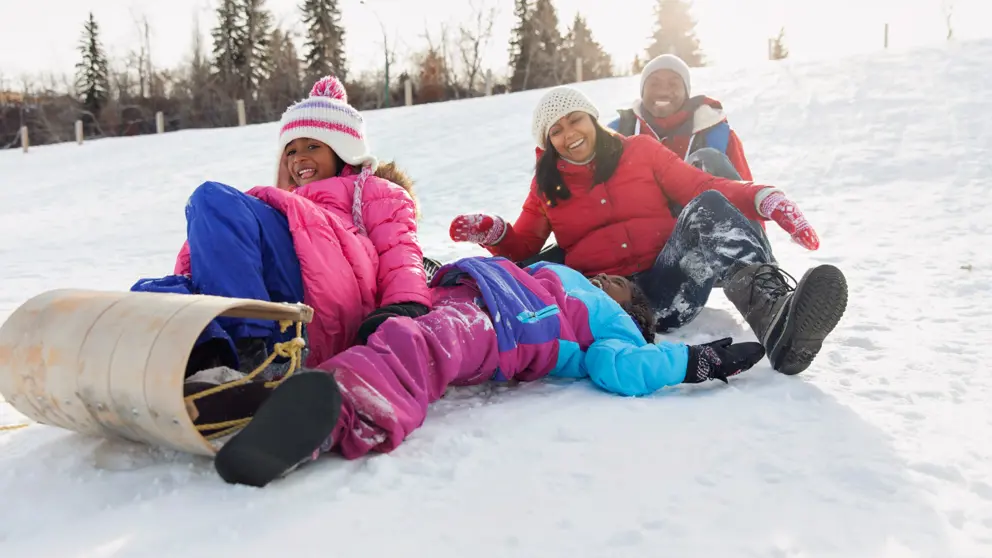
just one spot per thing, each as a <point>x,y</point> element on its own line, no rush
<point>379,315</point>
<point>780,209</point>
<point>478,228</point>
<point>721,359</point>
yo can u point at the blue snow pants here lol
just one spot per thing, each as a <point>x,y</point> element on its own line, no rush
<point>239,247</point>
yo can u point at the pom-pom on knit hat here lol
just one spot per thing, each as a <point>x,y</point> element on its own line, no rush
<point>556,103</point>
<point>326,116</point>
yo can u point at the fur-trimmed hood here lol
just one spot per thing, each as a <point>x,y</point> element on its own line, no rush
<point>389,171</point>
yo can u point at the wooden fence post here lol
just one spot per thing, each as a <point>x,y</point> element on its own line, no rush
<point>242,120</point>
<point>24,138</point>
<point>79,132</point>
<point>159,122</point>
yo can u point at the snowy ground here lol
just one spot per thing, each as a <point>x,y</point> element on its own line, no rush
<point>881,449</point>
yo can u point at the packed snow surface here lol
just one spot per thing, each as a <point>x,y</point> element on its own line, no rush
<point>881,449</point>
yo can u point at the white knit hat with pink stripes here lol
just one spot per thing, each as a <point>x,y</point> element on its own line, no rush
<point>327,116</point>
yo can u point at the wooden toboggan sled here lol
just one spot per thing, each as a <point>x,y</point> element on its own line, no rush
<point>112,364</point>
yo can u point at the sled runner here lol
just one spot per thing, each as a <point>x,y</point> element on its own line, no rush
<point>112,364</point>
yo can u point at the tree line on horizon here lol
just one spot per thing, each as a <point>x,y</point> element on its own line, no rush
<point>254,60</point>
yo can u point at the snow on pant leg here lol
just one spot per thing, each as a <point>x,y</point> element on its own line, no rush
<point>716,163</point>
<point>406,365</point>
<point>712,238</point>
<point>241,247</point>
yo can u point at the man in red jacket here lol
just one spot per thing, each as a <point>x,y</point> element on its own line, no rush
<point>695,128</point>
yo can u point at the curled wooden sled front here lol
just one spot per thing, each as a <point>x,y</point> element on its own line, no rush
<point>112,364</point>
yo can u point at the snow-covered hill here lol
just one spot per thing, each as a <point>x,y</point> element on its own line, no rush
<point>883,448</point>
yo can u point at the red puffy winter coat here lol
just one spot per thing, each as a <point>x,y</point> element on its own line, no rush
<point>619,226</point>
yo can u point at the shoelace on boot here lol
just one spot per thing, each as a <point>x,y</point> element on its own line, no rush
<point>772,280</point>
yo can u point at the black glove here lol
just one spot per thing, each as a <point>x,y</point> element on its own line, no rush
<point>718,360</point>
<point>379,315</point>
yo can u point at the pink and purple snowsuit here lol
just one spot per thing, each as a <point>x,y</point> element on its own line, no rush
<point>491,321</point>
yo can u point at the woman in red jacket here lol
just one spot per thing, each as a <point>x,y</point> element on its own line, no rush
<point>629,206</point>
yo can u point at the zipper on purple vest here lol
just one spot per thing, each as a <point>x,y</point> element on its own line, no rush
<point>531,317</point>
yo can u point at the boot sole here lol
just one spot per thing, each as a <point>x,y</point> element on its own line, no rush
<point>815,310</point>
<point>292,423</point>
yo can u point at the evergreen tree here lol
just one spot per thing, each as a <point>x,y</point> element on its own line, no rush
<point>521,45</point>
<point>285,84</point>
<point>229,48</point>
<point>675,32</point>
<point>432,71</point>
<point>578,43</point>
<point>257,33</point>
<point>324,47</point>
<point>548,66</point>
<point>637,65</point>
<point>241,54</point>
<point>779,50</point>
<point>92,73</point>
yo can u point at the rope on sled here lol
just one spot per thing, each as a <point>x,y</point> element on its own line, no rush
<point>291,349</point>
<point>9,427</point>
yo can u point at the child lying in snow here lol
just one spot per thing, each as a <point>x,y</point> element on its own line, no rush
<point>491,320</point>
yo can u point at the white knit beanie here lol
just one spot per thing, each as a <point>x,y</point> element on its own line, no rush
<point>667,62</point>
<point>556,103</point>
<point>326,116</point>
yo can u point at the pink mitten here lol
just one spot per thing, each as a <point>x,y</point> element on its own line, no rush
<point>478,228</point>
<point>780,209</point>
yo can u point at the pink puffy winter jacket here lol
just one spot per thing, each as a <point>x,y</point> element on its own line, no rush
<point>349,268</point>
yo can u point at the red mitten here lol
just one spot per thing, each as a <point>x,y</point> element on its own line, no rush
<point>780,209</point>
<point>478,228</point>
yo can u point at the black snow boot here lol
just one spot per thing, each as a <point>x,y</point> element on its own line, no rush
<point>285,432</point>
<point>251,352</point>
<point>232,403</point>
<point>790,322</point>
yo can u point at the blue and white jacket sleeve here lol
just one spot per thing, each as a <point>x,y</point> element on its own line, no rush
<point>625,368</point>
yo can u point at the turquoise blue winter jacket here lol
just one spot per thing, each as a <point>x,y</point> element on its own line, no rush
<point>553,321</point>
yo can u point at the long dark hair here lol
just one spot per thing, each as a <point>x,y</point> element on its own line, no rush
<point>607,151</point>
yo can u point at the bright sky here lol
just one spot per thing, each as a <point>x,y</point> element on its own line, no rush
<point>41,36</point>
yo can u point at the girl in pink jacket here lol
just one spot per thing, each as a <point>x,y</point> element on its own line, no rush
<point>334,233</point>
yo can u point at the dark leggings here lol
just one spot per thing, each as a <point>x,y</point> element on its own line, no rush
<point>711,240</point>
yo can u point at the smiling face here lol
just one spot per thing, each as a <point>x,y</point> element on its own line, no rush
<point>616,287</point>
<point>309,160</point>
<point>664,93</point>
<point>574,136</point>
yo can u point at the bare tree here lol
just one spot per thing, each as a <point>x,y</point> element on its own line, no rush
<point>947,6</point>
<point>779,50</point>
<point>473,40</point>
<point>441,53</point>
<point>142,59</point>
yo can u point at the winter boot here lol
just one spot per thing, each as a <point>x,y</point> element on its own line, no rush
<point>287,430</point>
<point>210,354</point>
<point>790,322</point>
<point>232,403</point>
<point>252,352</point>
